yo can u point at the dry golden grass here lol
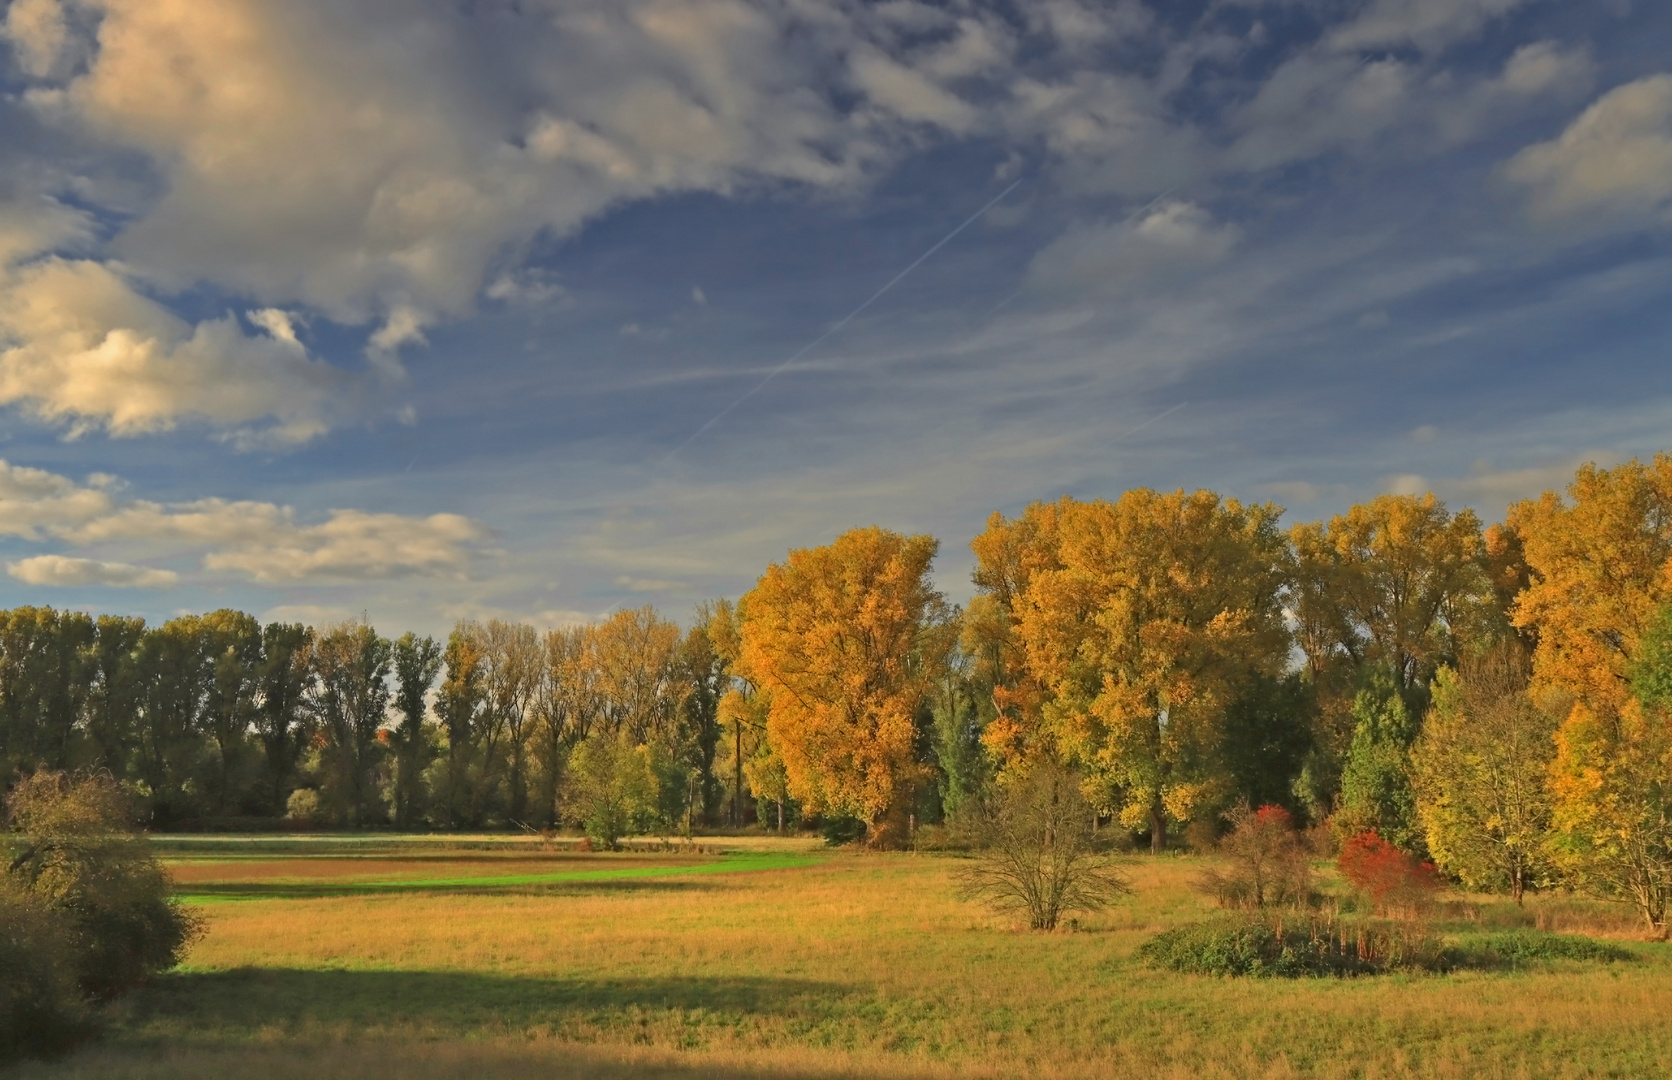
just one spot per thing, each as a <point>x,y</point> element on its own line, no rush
<point>862,965</point>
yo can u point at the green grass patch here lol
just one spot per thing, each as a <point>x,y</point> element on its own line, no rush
<point>231,892</point>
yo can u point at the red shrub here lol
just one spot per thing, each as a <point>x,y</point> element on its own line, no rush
<point>1390,878</point>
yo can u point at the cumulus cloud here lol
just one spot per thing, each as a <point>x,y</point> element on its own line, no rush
<point>263,541</point>
<point>1614,161</point>
<point>79,345</point>
<point>37,33</point>
<point>62,570</point>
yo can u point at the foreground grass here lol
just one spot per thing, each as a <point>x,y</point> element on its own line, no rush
<point>843,965</point>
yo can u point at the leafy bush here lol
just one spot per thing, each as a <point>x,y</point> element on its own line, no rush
<point>1393,881</point>
<point>839,829</point>
<point>41,1008</point>
<point>1269,864</point>
<point>72,851</point>
<point>1290,947</point>
<point>1039,850</point>
<point>1518,948</point>
<point>303,805</point>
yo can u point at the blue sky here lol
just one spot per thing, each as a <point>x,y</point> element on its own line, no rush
<point>322,307</point>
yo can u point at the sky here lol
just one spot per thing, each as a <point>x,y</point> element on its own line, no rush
<point>426,310</point>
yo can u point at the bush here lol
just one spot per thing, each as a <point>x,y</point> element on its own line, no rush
<point>840,829</point>
<point>1039,850</point>
<point>1269,864</point>
<point>1393,881</point>
<point>1519,948</point>
<point>41,1009</point>
<point>303,805</point>
<point>74,853</point>
<point>1290,947</point>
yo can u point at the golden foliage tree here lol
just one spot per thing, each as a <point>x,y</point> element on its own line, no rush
<point>1480,768</point>
<point>1394,581</point>
<point>1008,554</point>
<point>1159,605</point>
<point>838,637</point>
<point>1611,785</point>
<point>1599,566</point>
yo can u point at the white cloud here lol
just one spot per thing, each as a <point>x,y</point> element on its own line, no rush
<point>1430,25</point>
<point>80,346</point>
<point>37,33</point>
<point>909,94</point>
<point>259,540</point>
<point>1614,161</point>
<point>64,571</point>
<point>1173,238</point>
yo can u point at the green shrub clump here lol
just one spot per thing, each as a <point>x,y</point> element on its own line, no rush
<point>1519,948</point>
<point>1293,947</point>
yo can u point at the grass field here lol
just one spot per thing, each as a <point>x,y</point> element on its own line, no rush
<point>486,957</point>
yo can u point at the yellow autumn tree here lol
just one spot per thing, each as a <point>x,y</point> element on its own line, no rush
<point>1599,564</point>
<point>839,640</point>
<point>1611,786</point>
<point>1395,581</point>
<point>1007,556</point>
<point>1157,609</point>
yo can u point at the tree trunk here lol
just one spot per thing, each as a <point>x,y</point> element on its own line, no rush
<point>737,785</point>
<point>1158,827</point>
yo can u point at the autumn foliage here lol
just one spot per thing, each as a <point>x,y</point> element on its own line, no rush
<point>1393,881</point>
<point>838,638</point>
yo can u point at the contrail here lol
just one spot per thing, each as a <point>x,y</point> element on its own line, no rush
<point>849,317</point>
<point>1151,420</point>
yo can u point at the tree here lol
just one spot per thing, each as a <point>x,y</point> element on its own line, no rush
<point>349,703</point>
<point>232,644</point>
<point>1163,606</point>
<point>1611,785</point>
<point>1268,864</point>
<point>460,705</point>
<point>1598,569</point>
<point>416,662</point>
<point>285,684</point>
<point>568,706</point>
<point>1007,557</point>
<point>1397,581</point>
<point>511,670</point>
<point>705,676</point>
<point>176,666</point>
<point>45,680</point>
<point>1268,733</point>
<point>613,790</point>
<point>1376,791</point>
<point>1039,851</point>
<point>1480,769</point>
<point>113,701</point>
<point>839,636</point>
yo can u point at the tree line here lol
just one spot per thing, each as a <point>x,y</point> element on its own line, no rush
<point>1492,697</point>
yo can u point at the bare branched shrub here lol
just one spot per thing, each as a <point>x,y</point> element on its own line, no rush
<point>1268,863</point>
<point>1038,850</point>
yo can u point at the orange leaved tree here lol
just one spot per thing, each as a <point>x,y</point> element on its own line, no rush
<point>838,638</point>
<point>1160,607</point>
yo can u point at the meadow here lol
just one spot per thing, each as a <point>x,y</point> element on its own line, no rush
<point>392,957</point>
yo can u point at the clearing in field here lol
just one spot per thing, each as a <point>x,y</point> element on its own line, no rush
<point>474,957</point>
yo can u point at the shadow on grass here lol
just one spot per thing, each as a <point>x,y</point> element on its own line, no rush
<point>229,892</point>
<point>247,999</point>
